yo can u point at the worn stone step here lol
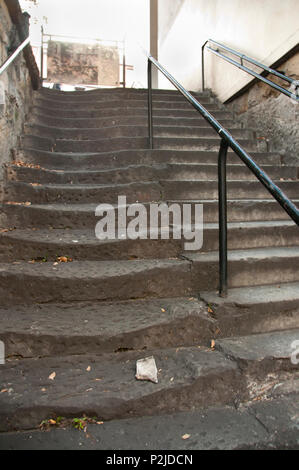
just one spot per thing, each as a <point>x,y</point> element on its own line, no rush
<point>132,111</point>
<point>251,267</point>
<point>143,172</point>
<point>125,100</point>
<point>94,105</point>
<point>105,386</point>
<point>70,123</point>
<point>258,309</point>
<point>123,158</point>
<point>102,92</point>
<point>120,143</point>
<point>189,378</point>
<point>83,244</point>
<point>128,131</point>
<point>43,330</point>
<point>144,191</point>
<point>83,215</point>
<point>261,425</point>
<point>262,354</point>
<point>27,283</point>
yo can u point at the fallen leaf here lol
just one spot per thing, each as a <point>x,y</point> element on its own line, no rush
<point>88,368</point>
<point>213,344</point>
<point>52,376</point>
<point>52,421</point>
<point>186,436</point>
<point>4,390</point>
<point>100,422</point>
<point>210,310</point>
<point>163,310</point>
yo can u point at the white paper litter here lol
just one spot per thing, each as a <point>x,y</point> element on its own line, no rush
<point>146,369</point>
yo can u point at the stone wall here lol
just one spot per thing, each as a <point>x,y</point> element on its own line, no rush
<point>16,85</point>
<point>273,116</point>
<point>74,64</point>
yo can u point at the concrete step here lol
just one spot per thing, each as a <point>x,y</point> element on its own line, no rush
<point>105,386</point>
<point>261,425</point>
<point>79,123</point>
<point>143,172</point>
<point>83,244</point>
<point>123,158</point>
<point>144,191</point>
<point>43,330</point>
<point>27,283</point>
<point>137,130</point>
<point>121,143</point>
<point>77,216</point>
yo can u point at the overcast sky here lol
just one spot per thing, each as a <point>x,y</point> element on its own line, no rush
<point>103,19</point>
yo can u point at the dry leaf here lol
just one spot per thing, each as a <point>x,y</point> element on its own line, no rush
<point>210,310</point>
<point>88,368</point>
<point>213,344</point>
<point>100,422</point>
<point>186,436</point>
<point>163,310</point>
<point>4,390</point>
<point>52,376</point>
<point>52,421</point>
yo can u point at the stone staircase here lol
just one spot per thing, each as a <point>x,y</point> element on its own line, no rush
<point>89,319</point>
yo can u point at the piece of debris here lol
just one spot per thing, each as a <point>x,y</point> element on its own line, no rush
<point>146,369</point>
<point>186,436</point>
<point>52,376</point>
<point>213,343</point>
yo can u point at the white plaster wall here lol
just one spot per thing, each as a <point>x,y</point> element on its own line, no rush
<point>263,29</point>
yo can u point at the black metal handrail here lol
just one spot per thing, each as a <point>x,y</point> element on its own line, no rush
<point>290,94</point>
<point>227,140</point>
<point>13,56</point>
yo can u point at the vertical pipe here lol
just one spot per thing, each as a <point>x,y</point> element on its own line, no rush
<point>42,57</point>
<point>222,202</point>
<point>124,67</point>
<point>203,67</point>
<point>150,104</point>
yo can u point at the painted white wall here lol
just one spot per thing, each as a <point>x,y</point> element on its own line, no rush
<point>262,29</point>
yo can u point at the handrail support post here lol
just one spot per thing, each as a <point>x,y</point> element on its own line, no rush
<point>222,204</point>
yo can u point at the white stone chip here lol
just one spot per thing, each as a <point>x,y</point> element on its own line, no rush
<point>146,369</point>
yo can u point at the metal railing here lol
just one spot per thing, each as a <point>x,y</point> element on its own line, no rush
<point>227,140</point>
<point>268,70</point>
<point>14,55</point>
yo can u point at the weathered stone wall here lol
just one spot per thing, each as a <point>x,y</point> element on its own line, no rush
<point>15,92</point>
<point>74,64</point>
<point>274,116</point>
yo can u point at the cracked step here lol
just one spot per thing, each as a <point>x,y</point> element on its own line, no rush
<point>189,378</point>
<point>42,330</point>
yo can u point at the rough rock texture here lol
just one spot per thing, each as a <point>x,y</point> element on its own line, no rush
<point>274,116</point>
<point>15,91</point>
<point>83,64</point>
